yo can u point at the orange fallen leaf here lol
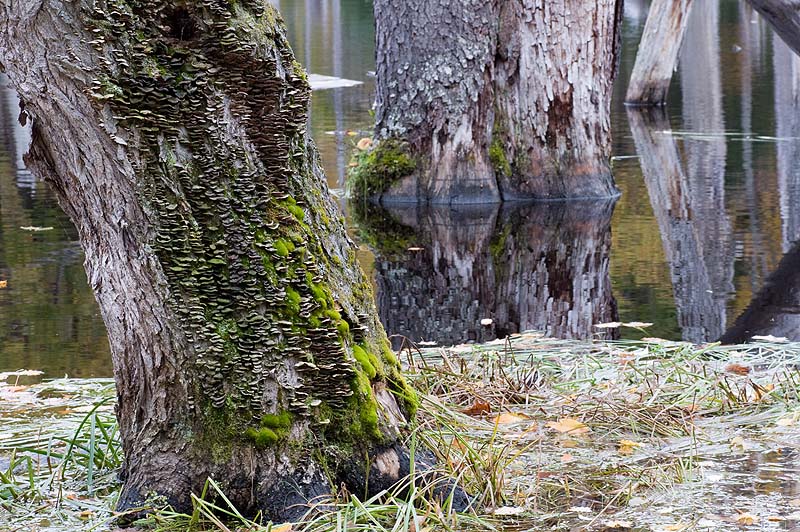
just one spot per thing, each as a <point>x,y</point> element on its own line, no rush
<point>745,518</point>
<point>737,369</point>
<point>568,425</point>
<point>628,446</point>
<point>3,284</point>
<point>508,417</point>
<point>478,408</point>
<point>364,143</point>
<point>282,528</point>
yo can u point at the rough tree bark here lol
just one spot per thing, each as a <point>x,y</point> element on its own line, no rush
<point>784,17</point>
<point>541,267</point>
<point>658,52</point>
<point>245,342</point>
<point>482,101</point>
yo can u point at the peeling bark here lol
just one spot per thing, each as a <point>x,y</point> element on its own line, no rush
<point>657,54</point>
<point>497,100</point>
<point>245,343</point>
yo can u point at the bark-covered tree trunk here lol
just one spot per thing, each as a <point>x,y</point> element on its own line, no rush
<point>245,342</point>
<point>784,17</point>
<point>658,52</point>
<point>482,101</point>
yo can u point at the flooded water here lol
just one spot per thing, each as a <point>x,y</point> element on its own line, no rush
<point>701,242</point>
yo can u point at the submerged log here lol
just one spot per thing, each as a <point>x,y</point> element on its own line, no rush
<point>481,101</point>
<point>245,341</point>
<point>658,50</point>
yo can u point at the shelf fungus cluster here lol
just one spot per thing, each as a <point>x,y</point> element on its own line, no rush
<point>212,115</point>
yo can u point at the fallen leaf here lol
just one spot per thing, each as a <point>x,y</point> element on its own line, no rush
<point>508,510</point>
<point>35,228</point>
<point>628,446</point>
<point>676,527</point>
<point>608,325</point>
<point>282,528</point>
<point>508,417</point>
<point>478,408</point>
<point>745,518</point>
<point>737,369</point>
<point>737,443</point>
<point>86,514</point>
<point>568,425</point>
<point>776,518</point>
<point>566,458</point>
<point>3,284</point>
<point>364,143</point>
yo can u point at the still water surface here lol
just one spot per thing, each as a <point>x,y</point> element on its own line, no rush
<point>701,242</point>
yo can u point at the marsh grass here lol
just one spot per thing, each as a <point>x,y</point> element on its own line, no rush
<point>569,434</point>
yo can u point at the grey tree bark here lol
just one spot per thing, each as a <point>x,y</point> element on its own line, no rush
<point>245,343</point>
<point>541,267</point>
<point>784,17</point>
<point>495,100</point>
<point>657,55</point>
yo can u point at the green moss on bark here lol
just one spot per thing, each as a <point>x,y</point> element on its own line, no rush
<point>378,167</point>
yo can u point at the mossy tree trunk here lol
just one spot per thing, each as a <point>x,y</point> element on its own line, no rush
<point>245,342</point>
<point>494,100</point>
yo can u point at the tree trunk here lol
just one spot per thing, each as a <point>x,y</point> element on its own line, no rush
<point>245,343</point>
<point>775,309</point>
<point>784,17</point>
<point>492,100</point>
<point>658,52</point>
<point>541,267</point>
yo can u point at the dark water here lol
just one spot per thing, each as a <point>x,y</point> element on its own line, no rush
<point>701,243</point>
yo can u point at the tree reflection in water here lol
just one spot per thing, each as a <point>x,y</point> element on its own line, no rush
<point>441,270</point>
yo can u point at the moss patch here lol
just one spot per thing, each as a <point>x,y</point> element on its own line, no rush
<point>377,168</point>
<point>497,156</point>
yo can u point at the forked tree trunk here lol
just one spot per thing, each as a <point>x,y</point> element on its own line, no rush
<point>658,50</point>
<point>494,100</point>
<point>245,342</point>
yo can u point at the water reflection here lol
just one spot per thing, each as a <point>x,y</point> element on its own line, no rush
<point>48,316</point>
<point>441,270</point>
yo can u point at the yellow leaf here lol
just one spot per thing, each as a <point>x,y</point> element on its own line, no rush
<point>568,425</point>
<point>282,528</point>
<point>508,417</point>
<point>3,284</point>
<point>628,446</point>
<point>364,143</point>
<point>746,519</point>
